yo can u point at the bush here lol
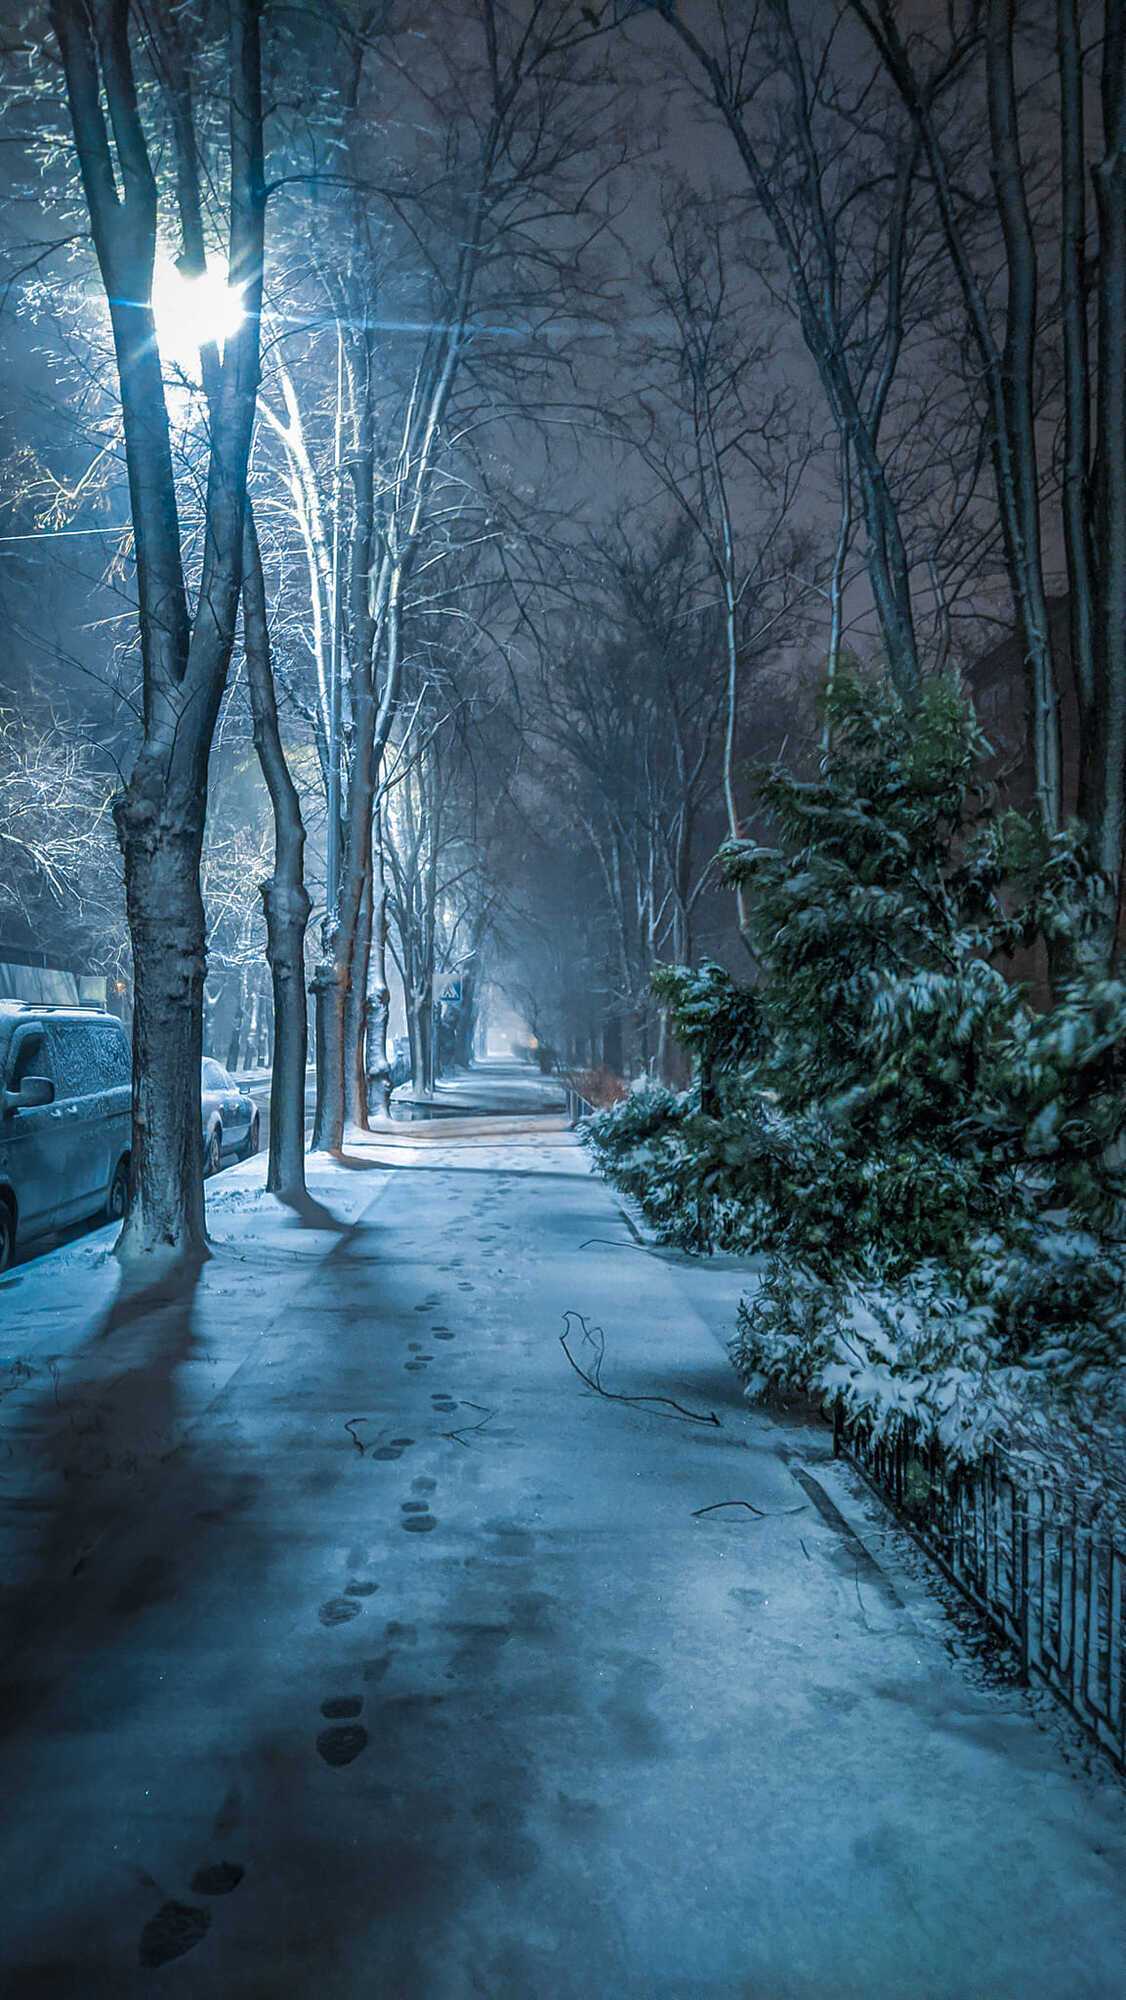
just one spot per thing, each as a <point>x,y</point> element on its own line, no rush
<point>935,1169</point>
<point>600,1086</point>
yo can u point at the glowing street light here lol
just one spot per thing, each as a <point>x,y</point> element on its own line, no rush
<point>192,312</point>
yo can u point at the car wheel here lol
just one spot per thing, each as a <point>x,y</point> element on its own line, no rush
<point>213,1152</point>
<point>7,1235</point>
<point>253,1140</point>
<point>118,1199</point>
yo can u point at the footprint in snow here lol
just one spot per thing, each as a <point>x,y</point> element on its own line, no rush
<point>175,1929</point>
<point>342,1744</point>
<point>218,1879</point>
<point>338,1610</point>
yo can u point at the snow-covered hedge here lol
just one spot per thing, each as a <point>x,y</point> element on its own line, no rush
<point>935,1169</point>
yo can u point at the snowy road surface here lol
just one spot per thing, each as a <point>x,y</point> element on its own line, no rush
<point>355,1648</point>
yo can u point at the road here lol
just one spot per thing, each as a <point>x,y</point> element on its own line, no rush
<point>259,1090</point>
<point>427,1670</point>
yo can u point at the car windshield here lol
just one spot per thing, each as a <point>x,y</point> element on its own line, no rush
<point>214,1077</point>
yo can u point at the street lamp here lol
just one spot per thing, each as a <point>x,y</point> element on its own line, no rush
<point>190,313</point>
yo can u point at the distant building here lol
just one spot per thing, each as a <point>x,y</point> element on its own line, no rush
<point>28,974</point>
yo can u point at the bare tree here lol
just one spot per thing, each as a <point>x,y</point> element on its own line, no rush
<point>55,813</point>
<point>446,244</point>
<point>185,650</point>
<point>284,895</point>
<point>1092,496</point>
<point>724,448</point>
<point>808,143</point>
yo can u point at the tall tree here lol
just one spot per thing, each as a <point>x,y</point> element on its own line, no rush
<point>185,648</point>
<point>1092,493</point>
<point>284,895</point>
<point>807,150</point>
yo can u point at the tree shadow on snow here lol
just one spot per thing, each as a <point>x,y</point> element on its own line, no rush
<point>309,1213</point>
<point>80,1455</point>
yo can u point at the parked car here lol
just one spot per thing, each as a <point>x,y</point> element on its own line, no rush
<point>65,1119</point>
<point>230,1118</point>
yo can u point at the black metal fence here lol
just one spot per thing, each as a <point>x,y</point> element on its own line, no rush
<point>1047,1571</point>
<point>578,1106</point>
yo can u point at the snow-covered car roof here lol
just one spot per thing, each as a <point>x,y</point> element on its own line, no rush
<point>12,1011</point>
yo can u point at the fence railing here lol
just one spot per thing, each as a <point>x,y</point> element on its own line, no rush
<point>1048,1572</point>
<point>578,1106</point>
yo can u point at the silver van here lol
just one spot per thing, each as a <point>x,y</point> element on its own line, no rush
<point>65,1119</point>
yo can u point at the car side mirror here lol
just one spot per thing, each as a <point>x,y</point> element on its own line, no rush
<point>33,1090</point>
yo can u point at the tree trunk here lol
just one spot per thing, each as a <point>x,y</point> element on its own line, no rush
<point>1018,467</point>
<point>1105,766</point>
<point>378,1011</point>
<point>420,1027</point>
<point>210,1005</point>
<point>285,898</point>
<point>234,1039</point>
<point>250,1044</point>
<point>1081,585</point>
<point>328,1117</point>
<point>415,1041</point>
<point>265,1033</point>
<point>334,977</point>
<point>355,1009</point>
<point>166,923</point>
<point>465,1030</point>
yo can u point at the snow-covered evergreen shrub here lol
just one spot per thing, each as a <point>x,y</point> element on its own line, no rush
<point>715,1020</point>
<point>647,1146</point>
<point>937,1170</point>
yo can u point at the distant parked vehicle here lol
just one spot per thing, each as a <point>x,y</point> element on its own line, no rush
<point>230,1118</point>
<point>400,1061</point>
<point>65,1120</point>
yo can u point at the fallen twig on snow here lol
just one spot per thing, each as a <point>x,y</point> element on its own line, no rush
<point>351,1431</point>
<point>616,1243</point>
<point>459,1436</point>
<point>760,1513</point>
<point>596,1338</point>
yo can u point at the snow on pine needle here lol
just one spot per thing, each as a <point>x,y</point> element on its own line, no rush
<point>936,1170</point>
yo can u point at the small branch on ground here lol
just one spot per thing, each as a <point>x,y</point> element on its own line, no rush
<point>615,1243</point>
<point>460,1436</point>
<point>350,1428</point>
<point>760,1513</point>
<point>595,1338</point>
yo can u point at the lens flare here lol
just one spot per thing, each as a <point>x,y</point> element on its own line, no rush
<point>191,312</point>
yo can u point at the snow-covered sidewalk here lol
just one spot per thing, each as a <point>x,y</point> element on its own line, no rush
<point>471,1681</point>
<point>98,1386</point>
